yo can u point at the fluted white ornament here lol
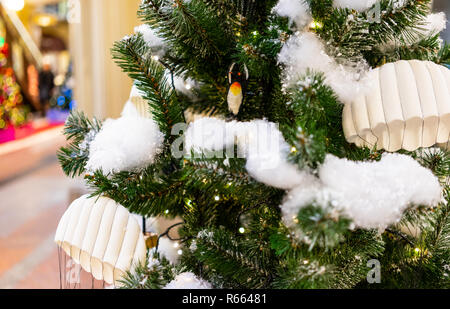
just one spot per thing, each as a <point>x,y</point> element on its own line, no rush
<point>101,236</point>
<point>407,108</point>
<point>138,101</point>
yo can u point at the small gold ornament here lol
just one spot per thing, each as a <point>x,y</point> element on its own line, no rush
<point>151,240</point>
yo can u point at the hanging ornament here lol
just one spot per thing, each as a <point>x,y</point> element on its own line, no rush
<point>151,240</point>
<point>407,108</point>
<point>101,236</point>
<point>237,78</point>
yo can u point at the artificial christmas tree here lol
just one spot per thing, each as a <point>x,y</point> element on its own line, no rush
<point>269,192</point>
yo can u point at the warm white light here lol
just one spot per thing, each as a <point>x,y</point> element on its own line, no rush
<point>316,25</point>
<point>242,230</point>
<point>180,252</point>
<point>156,58</point>
<point>59,80</point>
<point>14,5</point>
<point>45,20</point>
<point>188,86</point>
<point>217,198</point>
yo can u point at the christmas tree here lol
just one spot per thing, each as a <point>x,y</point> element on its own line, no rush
<point>281,178</point>
<point>11,109</point>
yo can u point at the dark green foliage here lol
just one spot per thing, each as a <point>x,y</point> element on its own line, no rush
<point>232,231</point>
<point>316,114</point>
<point>355,35</point>
<point>200,46</point>
<point>443,56</point>
<point>241,262</point>
<point>72,158</point>
<point>150,276</point>
<point>321,227</point>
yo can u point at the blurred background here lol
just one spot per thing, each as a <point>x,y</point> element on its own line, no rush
<point>54,57</point>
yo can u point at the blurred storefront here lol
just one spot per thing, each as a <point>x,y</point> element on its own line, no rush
<point>34,37</point>
<point>59,54</point>
<point>65,43</point>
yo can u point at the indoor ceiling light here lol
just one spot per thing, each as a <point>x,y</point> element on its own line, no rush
<point>14,5</point>
<point>45,20</point>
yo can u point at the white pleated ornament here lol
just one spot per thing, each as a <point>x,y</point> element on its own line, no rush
<point>407,108</point>
<point>101,236</point>
<point>141,105</point>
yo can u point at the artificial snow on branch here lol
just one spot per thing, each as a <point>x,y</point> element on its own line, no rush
<point>155,42</point>
<point>259,141</point>
<point>125,144</point>
<point>305,51</point>
<point>373,194</point>
<point>169,250</point>
<point>297,11</point>
<point>359,5</point>
<point>188,281</point>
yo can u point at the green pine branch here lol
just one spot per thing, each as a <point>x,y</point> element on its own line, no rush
<point>315,128</point>
<point>134,57</point>
<point>78,129</point>
<point>149,275</point>
<point>353,35</point>
<point>426,48</point>
<point>192,31</point>
<point>241,262</point>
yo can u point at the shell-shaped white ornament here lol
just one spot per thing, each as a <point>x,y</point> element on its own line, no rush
<point>407,108</point>
<point>101,236</point>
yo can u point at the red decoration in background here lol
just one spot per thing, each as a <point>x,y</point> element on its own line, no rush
<point>11,109</point>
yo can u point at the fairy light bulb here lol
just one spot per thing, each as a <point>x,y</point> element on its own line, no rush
<point>241,230</point>
<point>315,25</point>
<point>217,198</point>
<point>155,58</point>
<point>188,86</point>
<point>180,252</point>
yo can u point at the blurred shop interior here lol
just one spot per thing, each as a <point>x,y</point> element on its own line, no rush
<point>54,57</point>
